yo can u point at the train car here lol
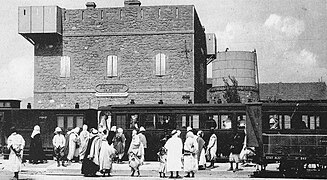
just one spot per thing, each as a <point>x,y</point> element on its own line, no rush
<point>293,135</point>
<point>48,119</point>
<point>160,119</point>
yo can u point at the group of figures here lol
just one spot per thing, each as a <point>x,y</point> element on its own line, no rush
<point>174,156</point>
<point>97,149</point>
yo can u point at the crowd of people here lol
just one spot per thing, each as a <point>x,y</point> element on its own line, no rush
<point>97,149</point>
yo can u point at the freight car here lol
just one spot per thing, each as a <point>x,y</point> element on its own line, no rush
<point>298,142</point>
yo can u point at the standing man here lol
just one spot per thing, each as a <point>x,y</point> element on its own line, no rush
<point>235,150</point>
<point>16,145</point>
<point>174,147</point>
<point>58,142</point>
<point>143,139</point>
<point>212,148</point>
<point>84,137</point>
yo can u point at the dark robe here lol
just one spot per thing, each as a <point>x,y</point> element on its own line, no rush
<point>201,143</point>
<point>36,150</point>
<point>111,137</point>
<point>89,168</point>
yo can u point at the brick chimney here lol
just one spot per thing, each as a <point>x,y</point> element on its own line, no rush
<point>132,3</point>
<point>90,5</point>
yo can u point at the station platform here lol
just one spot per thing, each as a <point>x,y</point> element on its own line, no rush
<point>148,168</point>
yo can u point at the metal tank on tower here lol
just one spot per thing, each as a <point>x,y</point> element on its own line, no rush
<point>241,65</point>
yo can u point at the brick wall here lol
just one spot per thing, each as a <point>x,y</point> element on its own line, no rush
<point>135,35</point>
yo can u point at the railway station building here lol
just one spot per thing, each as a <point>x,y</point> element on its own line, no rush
<point>95,57</point>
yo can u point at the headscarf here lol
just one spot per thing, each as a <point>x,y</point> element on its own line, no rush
<point>84,127</point>
<point>120,130</point>
<point>113,128</point>
<point>189,134</point>
<point>76,130</point>
<point>36,131</point>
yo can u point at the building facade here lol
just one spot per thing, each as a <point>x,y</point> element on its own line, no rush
<point>101,56</point>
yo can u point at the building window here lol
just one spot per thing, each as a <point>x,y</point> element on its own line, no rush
<point>65,66</point>
<point>142,13</point>
<point>160,64</point>
<point>112,66</point>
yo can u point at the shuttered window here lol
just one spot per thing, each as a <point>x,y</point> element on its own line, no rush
<point>112,66</point>
<point>160,64</point>
<point>65,66</point>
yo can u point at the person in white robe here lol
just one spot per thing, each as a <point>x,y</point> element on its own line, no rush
<point>201,151</point>
<point>136,153</point>
<point>58,142</point>
<point>74,142</point>
<point>106,154</point>
<point>84,137</point>
<point>174,146</point>
<point>212,148</point>
<point>16,145</point>
<point>190,157</point>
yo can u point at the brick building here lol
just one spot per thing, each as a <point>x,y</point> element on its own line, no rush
<point>102,56</point>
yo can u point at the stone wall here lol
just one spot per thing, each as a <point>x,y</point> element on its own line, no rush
<point>135,35</point>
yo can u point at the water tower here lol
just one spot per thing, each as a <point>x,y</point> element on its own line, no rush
<point>239,64</point>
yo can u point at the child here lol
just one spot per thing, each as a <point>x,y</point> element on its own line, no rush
<point>162,156</point>
<point>134,163</point>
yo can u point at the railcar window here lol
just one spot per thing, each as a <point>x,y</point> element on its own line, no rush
<point>196,121</point>
<point>70,122</point>
<point>60,121</point>
<point>190,120</point>
<point>121,121</point>
<point>79,121</point>
<point>226,122</point>
<point>164,121</point>
<point>311,122</point>
<point>134,121</point>
<point>241,118</point>
<point>149,121</point>
<point>212,121</point>
<point>287,122</point>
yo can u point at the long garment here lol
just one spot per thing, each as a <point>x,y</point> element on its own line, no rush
<point>119,144</point>
<point>162,155</point>
<point>36,149</point>
<point>190,157</point>
<point>105,157</point>
<point>15,141</point>
<point>201,151</point>
<point>72,148</point>
<point>136,150</point>
<point>174,146</point>
<point>58,142</point>
<point>212,147</point>
<point>144,142</point>
<point>90,164</point>
<point>84,137</point>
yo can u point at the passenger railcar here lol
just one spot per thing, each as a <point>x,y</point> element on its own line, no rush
<point>48,119</point>
<point>160,119</point>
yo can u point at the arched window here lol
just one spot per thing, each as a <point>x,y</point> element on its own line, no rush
<point>160,64</point>
<point>112,66</point>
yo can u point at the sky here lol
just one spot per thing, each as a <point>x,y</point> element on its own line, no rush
<point>290,37</point>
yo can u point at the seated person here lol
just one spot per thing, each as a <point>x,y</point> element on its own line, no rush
<point>274,123</point>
